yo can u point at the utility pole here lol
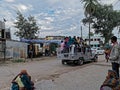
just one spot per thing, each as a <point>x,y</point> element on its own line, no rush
<point>81,31</point>
<point>89,34</point>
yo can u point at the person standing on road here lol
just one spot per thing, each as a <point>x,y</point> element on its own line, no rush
<point>30,51</point>
<point>107,54</point>
<point>115,55</point>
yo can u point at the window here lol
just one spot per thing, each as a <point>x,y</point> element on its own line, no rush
<point>0,34</point>
<point>95,45</point>
<point>91,39</point>
<point>98,39</point>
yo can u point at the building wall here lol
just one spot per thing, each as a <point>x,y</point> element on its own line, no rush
<point>16,49</point>
<point>2,39</point>
<point>2,29</point>
<point>54,37</point>
<point>2,25</point>
<point>95,41</point>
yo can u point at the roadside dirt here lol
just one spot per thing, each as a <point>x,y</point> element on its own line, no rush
<point>45,68</point>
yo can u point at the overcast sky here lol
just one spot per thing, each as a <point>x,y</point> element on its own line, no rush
<point>54,17</point>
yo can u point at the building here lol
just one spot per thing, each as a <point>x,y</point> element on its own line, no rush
<point>2,40</point>
<point>55,37</point>
<point>8,34</point>
<point>95,41</point>
<point>10,48</point>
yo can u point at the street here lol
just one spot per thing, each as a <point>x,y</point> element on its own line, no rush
<point>49,74</point>
<point>86,77</point>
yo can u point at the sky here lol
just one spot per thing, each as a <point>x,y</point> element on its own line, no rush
<point>54,17</point>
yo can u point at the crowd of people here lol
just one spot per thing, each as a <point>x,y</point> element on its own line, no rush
<point>51,49</point>
<point>68,41</point>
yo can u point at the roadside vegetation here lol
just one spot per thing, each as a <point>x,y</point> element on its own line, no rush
<point>102,18</point>
<point>18,60</point>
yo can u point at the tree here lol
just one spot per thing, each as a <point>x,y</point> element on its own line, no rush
<point>91,33</point>
<point>104,20</point>
<point>89,6</point>
<point>27,28</point>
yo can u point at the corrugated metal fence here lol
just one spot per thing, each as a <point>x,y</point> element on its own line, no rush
<point>16,49</point>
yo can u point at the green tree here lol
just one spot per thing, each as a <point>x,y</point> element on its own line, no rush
<point>104,20</point>
<point>89,6</point>
<point>27,28</point>
<point>91,33</point>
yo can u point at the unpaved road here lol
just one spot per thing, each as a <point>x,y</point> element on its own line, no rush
<point>46,71</point>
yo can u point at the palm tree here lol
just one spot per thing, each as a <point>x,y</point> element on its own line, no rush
<point>89,7</point>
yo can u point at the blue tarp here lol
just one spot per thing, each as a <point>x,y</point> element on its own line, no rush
<point>40,41</point>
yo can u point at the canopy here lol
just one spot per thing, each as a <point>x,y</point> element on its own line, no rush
<point>40,41</point>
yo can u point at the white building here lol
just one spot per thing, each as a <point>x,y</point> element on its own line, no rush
<point>95,41</point>
<point>2,39</point>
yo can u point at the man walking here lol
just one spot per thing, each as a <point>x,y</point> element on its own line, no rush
<point>114,55</point>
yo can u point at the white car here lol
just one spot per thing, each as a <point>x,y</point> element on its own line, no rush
<point>98,50</point>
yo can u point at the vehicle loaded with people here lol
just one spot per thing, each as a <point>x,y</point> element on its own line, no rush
<point>76,54</point>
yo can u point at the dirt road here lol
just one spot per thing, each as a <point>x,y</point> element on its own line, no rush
<point>40,68</point>
<point>48,68</point>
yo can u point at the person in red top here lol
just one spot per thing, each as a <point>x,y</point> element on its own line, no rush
<point>107,54</point>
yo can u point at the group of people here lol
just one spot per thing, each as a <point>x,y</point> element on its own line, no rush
<point>68,41</point>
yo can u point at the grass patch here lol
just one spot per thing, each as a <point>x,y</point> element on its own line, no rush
<point>18,60</point>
